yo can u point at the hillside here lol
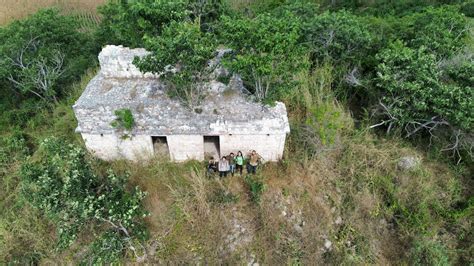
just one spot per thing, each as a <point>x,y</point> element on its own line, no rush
<point>377,168</point>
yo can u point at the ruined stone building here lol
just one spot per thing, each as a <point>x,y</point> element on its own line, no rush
<point>227,120</point>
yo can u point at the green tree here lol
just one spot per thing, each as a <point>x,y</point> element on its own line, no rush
<point>128,22</point>
<point>41,55</point>
<point>414,97</point>
<point>181,53</point>
<point>410,82</point>
<point>441,30</point>
<point>340,36</point>
<point>266,51</point>
<point>60,181</point>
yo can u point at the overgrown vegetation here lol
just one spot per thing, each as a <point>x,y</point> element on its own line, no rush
<point>349,72</point>
<point>255,186</point>
<point>124,122</point>
<point>63,185</point>
<point>187,50</point>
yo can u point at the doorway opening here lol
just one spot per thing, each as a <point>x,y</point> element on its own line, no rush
<point>160,146</point>
<point>211,147</point>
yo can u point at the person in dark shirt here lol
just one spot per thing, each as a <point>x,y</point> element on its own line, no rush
<point>231,159</point>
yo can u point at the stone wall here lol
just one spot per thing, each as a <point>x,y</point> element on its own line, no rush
<point>182,147</point>
<point>270,147</point>
<point>226,111</point>
<point>112,147</point>
<point>185,147</point>
<point>116,62</point>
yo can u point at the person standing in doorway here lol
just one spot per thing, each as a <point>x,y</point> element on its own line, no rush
<point>211,166</point>
<point>223,167</point>
<point>239,162</point>
<point>231,159</point>
<point>254,160</point>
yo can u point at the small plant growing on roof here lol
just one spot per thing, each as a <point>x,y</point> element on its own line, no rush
<point>124,120</point>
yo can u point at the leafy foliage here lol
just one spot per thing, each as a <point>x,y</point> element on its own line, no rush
<point>256,187</point>
<point>413,92</point>
<point>187,49</point>
<point>128,22</point>
<point>468,9</point>
<point>386,7</point>
<point>340,36</point>
<point>40,55</point>
<point>449,25</point>
<point>124,119</point>
<point>461,74</point>
<point>222,196</point>
<point>266,51</point>
<point>425,77</point>
<point>61,182</point>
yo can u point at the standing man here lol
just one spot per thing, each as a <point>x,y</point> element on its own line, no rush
<point>231,159</point>
<point>254,160</point>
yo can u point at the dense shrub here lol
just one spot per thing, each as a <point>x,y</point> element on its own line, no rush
<point>340,36</point>
<point>187,49</point>
<point>386,7</point>
<point>449,25</point>
<point>124,119</point>
<point>410,82</point>
<point>127,22</point>
<point>468,9</point>
<point>267,52</point>
<point>60,181</point>
<point>41,55</point>
<point>461,74</point>
<point>256,187</point>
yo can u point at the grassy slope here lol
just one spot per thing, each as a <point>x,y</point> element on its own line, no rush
<point>350,194</point>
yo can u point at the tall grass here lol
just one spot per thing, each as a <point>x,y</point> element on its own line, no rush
<point>17,9</point>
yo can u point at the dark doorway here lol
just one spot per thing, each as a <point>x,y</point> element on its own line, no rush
<point>160,146</point>
<point>211,147</point>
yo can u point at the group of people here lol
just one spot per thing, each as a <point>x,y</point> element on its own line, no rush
<point>235,163</point>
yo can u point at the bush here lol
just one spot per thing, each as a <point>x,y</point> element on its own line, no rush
<point>41,55</point>
<point>412,92</point>
<point>128,22</point>
<point>340,36</point>
<point>188,50</point>
<point>222,196</point>
<point>61,183</point>
<point>428,252</point>
<point>256,187</point>
<point>461,74</point>
<point>468,9</point>
<point>266,52</point>
<point>124,119</point>
<point>450,27</point>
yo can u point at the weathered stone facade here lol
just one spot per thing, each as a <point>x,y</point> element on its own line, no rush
<point>235,122</point>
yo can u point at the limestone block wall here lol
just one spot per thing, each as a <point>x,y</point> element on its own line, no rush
<point>117,61</point>
<point>270,147</point>
<point>112,147</point>
<point>185,147</point>
<point>182,147</point>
